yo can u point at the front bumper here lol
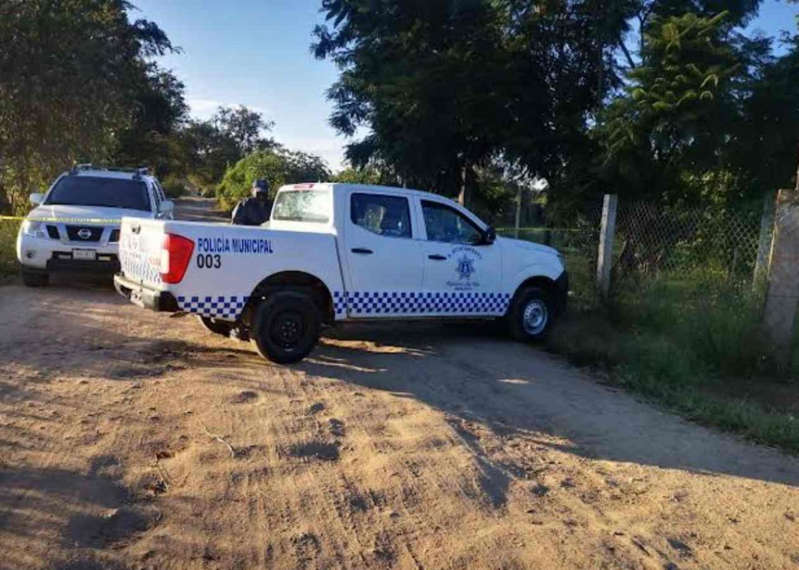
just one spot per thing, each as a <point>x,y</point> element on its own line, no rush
<point>52,255</point>
<point>145,297</point>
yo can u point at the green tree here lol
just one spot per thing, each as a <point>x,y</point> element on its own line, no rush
<point>667,134</point>
<point>152,138</point>
<point>765,143</point>
<point>214,145</point>
<point>68,76</point>
<point>446,87</point>
<point>278,166</point>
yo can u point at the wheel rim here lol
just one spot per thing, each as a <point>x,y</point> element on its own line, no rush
<point>287,329</point>
<point>535,317</point>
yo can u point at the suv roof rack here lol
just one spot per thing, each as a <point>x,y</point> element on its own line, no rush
<point>137,172</point>
<point>141,171</point>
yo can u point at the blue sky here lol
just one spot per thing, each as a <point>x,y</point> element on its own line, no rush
<point>257,53</point>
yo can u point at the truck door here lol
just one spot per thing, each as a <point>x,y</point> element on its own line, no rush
<point>383,259</point>
<point>461,272</point>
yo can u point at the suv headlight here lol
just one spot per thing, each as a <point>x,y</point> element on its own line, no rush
<point>34,229</point>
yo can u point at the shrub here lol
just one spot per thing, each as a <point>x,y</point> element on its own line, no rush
<point>173,187</point>
<point>278,167</point>
<point>8,254</point>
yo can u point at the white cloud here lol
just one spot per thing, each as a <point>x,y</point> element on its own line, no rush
<point>202,109</point>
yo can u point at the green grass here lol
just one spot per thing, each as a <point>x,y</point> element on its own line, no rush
<point>691,343</point>
<point>8,255</point>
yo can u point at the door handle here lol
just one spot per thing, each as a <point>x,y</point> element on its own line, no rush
<point>362,250</point>
<point>437,257</point>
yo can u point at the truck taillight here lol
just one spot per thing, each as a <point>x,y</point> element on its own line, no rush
<point>175,256</point>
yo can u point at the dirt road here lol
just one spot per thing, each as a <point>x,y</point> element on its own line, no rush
<point>133,439</point>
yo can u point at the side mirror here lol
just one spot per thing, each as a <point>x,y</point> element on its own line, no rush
<point>489,235</point>
<point>166,207</point>
<point>36,198</point>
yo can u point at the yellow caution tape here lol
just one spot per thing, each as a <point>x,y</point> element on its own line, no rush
<point>69,220</point>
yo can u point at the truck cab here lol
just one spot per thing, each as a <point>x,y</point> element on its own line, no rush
<point>342,252</point>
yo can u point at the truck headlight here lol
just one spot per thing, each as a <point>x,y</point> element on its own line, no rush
<point>34,229</point>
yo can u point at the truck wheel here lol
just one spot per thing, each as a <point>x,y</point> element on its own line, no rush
<point>530,316</point>
<point>35,278</point>
<point>285,327</point>
<point>216,326</point>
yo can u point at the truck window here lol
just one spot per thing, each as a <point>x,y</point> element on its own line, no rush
<point>99,191</point>
<point>448,225</point>
<point>384,215</point>
<point>302,206</point>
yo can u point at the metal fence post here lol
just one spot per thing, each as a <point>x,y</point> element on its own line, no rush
<point>607,232</point>
<point>782,294</point>
<point>764,241</point>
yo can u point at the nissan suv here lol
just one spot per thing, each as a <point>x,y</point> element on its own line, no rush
<point>74,227</point>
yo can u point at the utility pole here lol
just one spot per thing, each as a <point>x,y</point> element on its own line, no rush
<point>607,233</point>
<point>782,294</point>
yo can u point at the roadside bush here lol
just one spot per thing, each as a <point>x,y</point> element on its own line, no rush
<point>278,167</point>
<point>8,255</point>
<point>173,187</point>
<point>714,320</point>
<point>682,340</point>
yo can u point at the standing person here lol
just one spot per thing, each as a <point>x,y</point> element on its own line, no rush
<point>255,210</point>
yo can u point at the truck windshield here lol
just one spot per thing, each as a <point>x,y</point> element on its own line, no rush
<point>95,191</point>
<point>302,206</point>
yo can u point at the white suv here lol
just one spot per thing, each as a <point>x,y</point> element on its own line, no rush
<point>75,225</point>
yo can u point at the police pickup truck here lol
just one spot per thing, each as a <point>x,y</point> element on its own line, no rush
<point>340,252</point>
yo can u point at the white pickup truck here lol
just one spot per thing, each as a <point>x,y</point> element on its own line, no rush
<point>340,252</point>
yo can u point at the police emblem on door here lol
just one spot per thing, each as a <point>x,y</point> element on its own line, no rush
<point>467,259</point>
<point>465,267</point>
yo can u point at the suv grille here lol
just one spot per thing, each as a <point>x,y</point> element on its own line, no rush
<point>84,233</point>
<point>114,236</point>
<point>52,231</point>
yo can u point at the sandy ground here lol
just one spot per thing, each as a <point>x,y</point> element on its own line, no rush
<point>135,439</point>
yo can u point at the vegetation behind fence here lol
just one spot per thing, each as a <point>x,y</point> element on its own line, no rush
<point>682,323</point>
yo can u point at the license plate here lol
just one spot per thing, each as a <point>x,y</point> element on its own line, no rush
<point>85,254</point>
<point>136,299</point>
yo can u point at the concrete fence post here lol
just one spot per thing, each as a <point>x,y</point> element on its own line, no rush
<point>607,232</point>
<point>764,241</point>
<point>782,294</point>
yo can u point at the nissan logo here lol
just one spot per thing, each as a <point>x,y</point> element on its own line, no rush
<point>84,233</point>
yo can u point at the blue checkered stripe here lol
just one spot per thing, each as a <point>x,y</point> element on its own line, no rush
<point>416,302</point>
<point>227,308</point>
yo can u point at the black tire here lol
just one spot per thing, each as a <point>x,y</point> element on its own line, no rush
<point>216,326</point>
<point>35,278</point>
<point>531,314</point>
<point>285,327</point>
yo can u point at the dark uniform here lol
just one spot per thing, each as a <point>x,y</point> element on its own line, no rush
<point>255,210</point>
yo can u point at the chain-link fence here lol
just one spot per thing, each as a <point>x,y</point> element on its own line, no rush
<point>652,241</point>
<point>577,242</point>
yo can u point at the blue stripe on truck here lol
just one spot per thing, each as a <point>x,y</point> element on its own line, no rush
<point>227,308</point>
<point>364,303</point>
<point>418,302</point>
